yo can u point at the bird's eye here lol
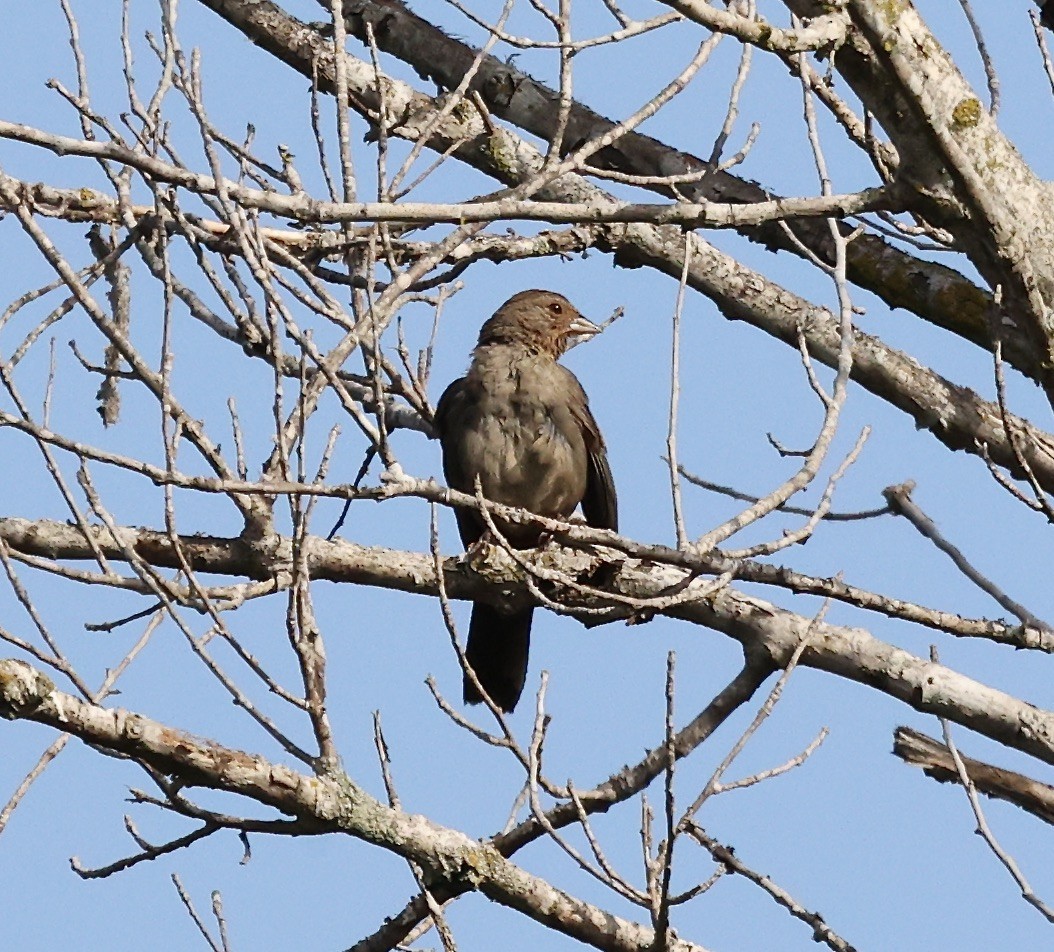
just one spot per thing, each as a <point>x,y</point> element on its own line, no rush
<point>556,307</point>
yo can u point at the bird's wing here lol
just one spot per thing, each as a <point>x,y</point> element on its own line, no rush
<point>600,503</point>
<point>446,408</point>
<point>452,408</point>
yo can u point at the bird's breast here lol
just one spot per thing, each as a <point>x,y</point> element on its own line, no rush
<point>520,438</point>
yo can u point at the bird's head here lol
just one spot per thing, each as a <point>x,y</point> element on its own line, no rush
<point>542,320</point>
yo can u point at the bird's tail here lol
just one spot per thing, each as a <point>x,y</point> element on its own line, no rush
<point>497,651</point>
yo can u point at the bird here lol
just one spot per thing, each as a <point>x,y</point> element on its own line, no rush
<point>520,423</point>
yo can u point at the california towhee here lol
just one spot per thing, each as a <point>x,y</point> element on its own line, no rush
<point>521,423</point>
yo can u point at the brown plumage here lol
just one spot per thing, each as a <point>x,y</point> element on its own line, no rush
<point>521,422</point>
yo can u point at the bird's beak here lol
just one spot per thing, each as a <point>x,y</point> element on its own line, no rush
<point>582,327</point>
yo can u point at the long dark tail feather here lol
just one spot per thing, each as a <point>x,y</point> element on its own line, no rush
<point>497,651</point>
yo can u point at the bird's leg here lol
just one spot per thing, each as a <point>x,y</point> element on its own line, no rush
<point>480,547</point>
<point>601,571</point>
